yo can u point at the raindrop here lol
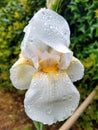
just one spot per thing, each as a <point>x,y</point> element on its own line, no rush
<point>51,27</point>
<point>43,13</point>
<point>64,33</point>
<point>49,111</point>
<point>72,111</point>
<point>45,23</point>
<point>28,107</point>
<point>41,98</point>
<point>67,84</point>
<point>70,97</point>
<point>64,98</point>
<point>34,84</point>
<point>31,40</point>
<point>71,75</point>
<point>43,17</point>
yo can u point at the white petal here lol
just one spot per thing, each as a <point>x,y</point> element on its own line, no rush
<point>66,59</point>
<point>54,56</point>
<point>21,74</point>
<point>75,70</point>
<point>33,50</point>
<point>27,52</point>
<point>51,98</point>
<point>49,28</point>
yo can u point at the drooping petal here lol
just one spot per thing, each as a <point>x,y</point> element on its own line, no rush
<point>75,70</point>
<point>21,74</point>
<point>51,97</point>
<point>65,59</point>
<point>48,28</point>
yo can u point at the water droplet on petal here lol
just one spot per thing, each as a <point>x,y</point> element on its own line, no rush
<point>49,111</point>
<point>71,76</point>
<point>72,111</point>
<point>70,97</point>
<point>51,27</point>
<point>64,98</point>
<point>28,107</point>
<point>40,98</point>
<point>45,23</point>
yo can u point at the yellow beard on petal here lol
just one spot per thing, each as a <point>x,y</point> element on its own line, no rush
<point>26,62</point>
<point>49,66</point>
<point>50,69</point>
<point>22,60</point>
<point>51,73</point>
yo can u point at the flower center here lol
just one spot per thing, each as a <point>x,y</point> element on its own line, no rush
<point>49,65</point>
<point>50,69</point>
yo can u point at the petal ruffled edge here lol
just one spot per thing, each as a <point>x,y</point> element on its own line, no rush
<point>65,59</point>
<point>21,74</point>
<point>75,70</point>
<point>51,98</point>
<point>55,33</point>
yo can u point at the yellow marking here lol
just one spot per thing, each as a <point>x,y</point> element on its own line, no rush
<point>48,65</point>
<point>23,61</point>
<point>20,55</point>
<point>50,69</point>
<point>36,75</point>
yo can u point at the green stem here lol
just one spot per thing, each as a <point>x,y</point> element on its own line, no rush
<point>41,126</point>
<point>38,125</point>
<point>54,4</point>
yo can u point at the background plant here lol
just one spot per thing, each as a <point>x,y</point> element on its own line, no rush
<point>82,16</point>
<point>13,18</point>
<point>83,19</point>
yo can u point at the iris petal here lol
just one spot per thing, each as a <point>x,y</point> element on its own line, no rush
<point>48,28</point>
<point>75,70</point>
<point>33,50</point>
<point>51,98</point>
<point>65,59</point>
<point>21,74</point>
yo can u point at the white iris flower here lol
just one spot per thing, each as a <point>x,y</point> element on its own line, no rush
<point>47,68</point>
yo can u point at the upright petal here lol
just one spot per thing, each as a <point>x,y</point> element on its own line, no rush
<point>49,28</point>
<point>75,70</point>
<point>21,74</point>
<point>33,49</point>
<point>28,51</point>
<point>65,59</point>
<point>51,97</point>
<point>49,60</point>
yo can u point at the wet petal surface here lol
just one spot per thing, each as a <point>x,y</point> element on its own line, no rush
<point>65,59</point>
<point>75,70</point>
<point>21,74</point>
<point>51,97</point>
<point>54,30</point>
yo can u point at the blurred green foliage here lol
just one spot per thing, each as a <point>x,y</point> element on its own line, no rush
<point>82,16</point>
<point>13,17</point>
<point>3,2</point>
